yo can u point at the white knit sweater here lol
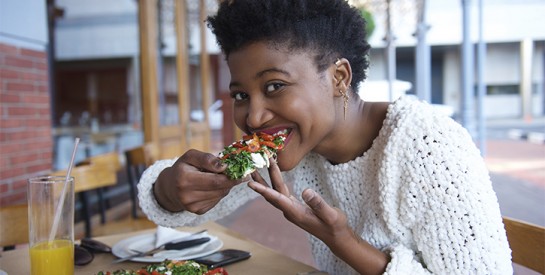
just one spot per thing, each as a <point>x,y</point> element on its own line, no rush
<point>421,193</point>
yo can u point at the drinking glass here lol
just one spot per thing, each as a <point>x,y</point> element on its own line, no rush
<point>51,253</point>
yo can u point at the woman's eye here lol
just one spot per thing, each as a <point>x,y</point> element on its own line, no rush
<point>273,87</point>
<point>238,96</point>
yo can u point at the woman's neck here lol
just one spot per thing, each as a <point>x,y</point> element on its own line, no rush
<point>355,135</point>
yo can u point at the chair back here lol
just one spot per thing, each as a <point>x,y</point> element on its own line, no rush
<point>14,225</point>
<point>90,177</point>
<point>107,160</point>
<point>138,159</point>
<point>145,154</point>
<point>527,242</point>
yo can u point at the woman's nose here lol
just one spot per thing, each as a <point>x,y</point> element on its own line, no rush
<point>258,114</point>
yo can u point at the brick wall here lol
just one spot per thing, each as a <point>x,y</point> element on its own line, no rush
<point>26,144</point>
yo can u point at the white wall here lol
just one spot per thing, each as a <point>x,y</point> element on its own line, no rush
<point>377,66</point>
<point>502,68</point>
<point>503,63</point>
<point>96,29</point>
<point>452,89</point>
<point>23,23</point>
<point>503,21</point>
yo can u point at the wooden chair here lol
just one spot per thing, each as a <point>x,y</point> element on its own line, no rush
<point>87,178</point>
<point>109,161</point>
<point>138,159</point>
<point>14,225</point>
<point>527,243</point>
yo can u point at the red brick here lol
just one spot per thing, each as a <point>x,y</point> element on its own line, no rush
<point>12,173</point>
<point>4,162</point>
<point>33,53</point>
<point>39,169</point>
<point>3,187</point>
<point>43,88</point>
<point>9,98</point>
<point>19,185</point>
<point>19,62</point>
<point>8,148</point>
<point>38,122</point>
<point>24,158</point>
<point>19,135</point>
<point>8,49</point>
<point>19,87</point>
<point>44,111</point>
<point>22,111</point>
<point>41,144</point>
<point>6,73</point>
<point>41,66</point>
<point>35,98</point>
<point>25,123</point>
<point>33,76</point>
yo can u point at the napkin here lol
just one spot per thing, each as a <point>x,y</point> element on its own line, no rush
<point>165,234</point>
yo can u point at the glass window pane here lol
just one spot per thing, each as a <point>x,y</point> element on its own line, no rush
<point>167,72</point>
<point>194,49</point>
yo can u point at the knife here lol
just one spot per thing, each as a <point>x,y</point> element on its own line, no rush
<point>173,245</point>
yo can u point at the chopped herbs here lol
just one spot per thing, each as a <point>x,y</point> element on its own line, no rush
<point>253,151</point>
<point>170,267</point>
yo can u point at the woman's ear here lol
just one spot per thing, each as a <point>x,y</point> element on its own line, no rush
<point>342,74</point>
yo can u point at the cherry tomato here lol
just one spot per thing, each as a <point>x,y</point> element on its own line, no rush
<point>253,146</point>
<point>266,137</point>
<point>269,144</point>
<point>238,145</point>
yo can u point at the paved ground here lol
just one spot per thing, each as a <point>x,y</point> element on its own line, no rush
<point>517,169</point>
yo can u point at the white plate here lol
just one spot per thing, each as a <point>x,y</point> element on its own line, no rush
<point>147,241</point>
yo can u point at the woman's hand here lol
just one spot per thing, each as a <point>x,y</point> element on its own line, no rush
<point>327,223</point>
<point>194,183</point>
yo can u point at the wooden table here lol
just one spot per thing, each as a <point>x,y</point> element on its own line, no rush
<point>263,260</point>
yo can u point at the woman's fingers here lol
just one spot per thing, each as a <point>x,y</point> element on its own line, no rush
<point>259,179</point>
<point>203,161</point>
<point>320,208</point>
<point>275,198</point>
<point>276,178</point>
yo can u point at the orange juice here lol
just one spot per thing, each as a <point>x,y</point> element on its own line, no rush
<point>56,258</point>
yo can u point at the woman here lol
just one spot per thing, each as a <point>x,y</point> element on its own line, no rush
<point>385,187</point>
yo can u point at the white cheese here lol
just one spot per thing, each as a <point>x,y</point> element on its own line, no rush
<point>259,160</point>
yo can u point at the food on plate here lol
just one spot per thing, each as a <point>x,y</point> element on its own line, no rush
<point>253,151</point>
<point>170,267</point>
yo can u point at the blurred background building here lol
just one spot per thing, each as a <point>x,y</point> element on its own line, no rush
<point>122,73</point>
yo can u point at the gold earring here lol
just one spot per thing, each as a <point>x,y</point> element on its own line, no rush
<point>338,62</point>
<point>345,98</point>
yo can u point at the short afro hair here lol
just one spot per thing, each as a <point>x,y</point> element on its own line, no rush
<point>330,29</point>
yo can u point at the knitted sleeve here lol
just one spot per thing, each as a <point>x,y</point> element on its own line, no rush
<point>439,193</point>
<point>239,195</point>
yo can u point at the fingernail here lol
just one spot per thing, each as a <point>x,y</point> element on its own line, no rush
<point>252,185</point>
<point>308,195</point>
<point>256,186</point>
<point>219,164</point>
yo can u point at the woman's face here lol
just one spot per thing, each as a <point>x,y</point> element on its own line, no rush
<point>274,89</point>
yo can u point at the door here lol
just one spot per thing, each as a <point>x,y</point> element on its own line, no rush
<point>174,75</point>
